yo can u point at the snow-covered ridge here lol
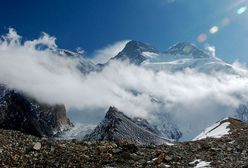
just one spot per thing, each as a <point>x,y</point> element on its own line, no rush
<point>178,57</point>
<point>217,130</point>
<point>189,50</point>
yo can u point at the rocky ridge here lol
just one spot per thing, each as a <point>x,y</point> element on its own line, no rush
<point>119,128</point>
<point>21,150</point>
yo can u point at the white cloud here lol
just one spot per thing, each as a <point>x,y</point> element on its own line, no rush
<point>194,99</point>
<point>103,55</point>
<point>210,49</point>
<point>237,64</point>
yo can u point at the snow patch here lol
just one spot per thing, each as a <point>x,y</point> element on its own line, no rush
<point>217,130</point>
<point>200,164</point>
<point>148,54</point>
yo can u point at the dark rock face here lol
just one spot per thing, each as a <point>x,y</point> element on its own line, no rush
<point>133,52</point>
<point>18,112</point>
<point>185,48</point>
<point>120,128</point>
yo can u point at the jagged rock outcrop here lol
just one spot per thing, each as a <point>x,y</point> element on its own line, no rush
<point>119,128</point>
<point>19,112</point>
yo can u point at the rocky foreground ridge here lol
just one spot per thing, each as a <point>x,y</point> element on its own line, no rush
<point>21,150</point>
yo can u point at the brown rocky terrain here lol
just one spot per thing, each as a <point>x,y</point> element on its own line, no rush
<point>21,150</point>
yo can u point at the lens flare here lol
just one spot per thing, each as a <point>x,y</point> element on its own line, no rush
<point>202,37</point>
<point>241,10</point>
<point>214,30</point>
<point>225,22</point>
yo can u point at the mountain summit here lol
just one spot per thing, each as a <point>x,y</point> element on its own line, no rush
<point>187,49</point>
<point>136,52</point>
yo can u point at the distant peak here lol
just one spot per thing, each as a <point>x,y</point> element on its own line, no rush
<point>67,53</point>
<point>188,49</point>
<point>182,45</point>
<point>112,112</point>
<point>137,45</point>
<point>134,52</point>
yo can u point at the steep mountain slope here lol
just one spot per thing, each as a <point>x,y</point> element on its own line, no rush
<point>217,130</point>
<point>19,112</point>
<point>120,128</point>
<point>187,50</point>
<point>136,52</point>
<point>220,129</point>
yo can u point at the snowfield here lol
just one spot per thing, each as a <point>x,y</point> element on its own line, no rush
<point>217,130</point>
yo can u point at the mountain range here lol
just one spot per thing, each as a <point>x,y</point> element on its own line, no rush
<point>177,58</point>
<point>21,112</point>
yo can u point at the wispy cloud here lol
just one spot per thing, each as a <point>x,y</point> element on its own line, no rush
<point>104,54</point>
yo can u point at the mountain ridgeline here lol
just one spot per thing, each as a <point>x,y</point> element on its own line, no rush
<point>21,112</point>
<point>119,128</point>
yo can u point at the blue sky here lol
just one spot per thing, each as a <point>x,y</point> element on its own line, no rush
<point>94,24</point>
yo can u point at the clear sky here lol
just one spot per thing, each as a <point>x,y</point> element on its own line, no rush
<point>93,24</point>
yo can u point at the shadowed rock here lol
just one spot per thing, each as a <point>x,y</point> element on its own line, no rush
<point>18,112</point>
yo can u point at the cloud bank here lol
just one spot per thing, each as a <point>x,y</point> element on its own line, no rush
<point>193,99</point>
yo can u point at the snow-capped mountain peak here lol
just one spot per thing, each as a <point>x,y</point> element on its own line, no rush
<point>136,52</point>
<point>187,49</point>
